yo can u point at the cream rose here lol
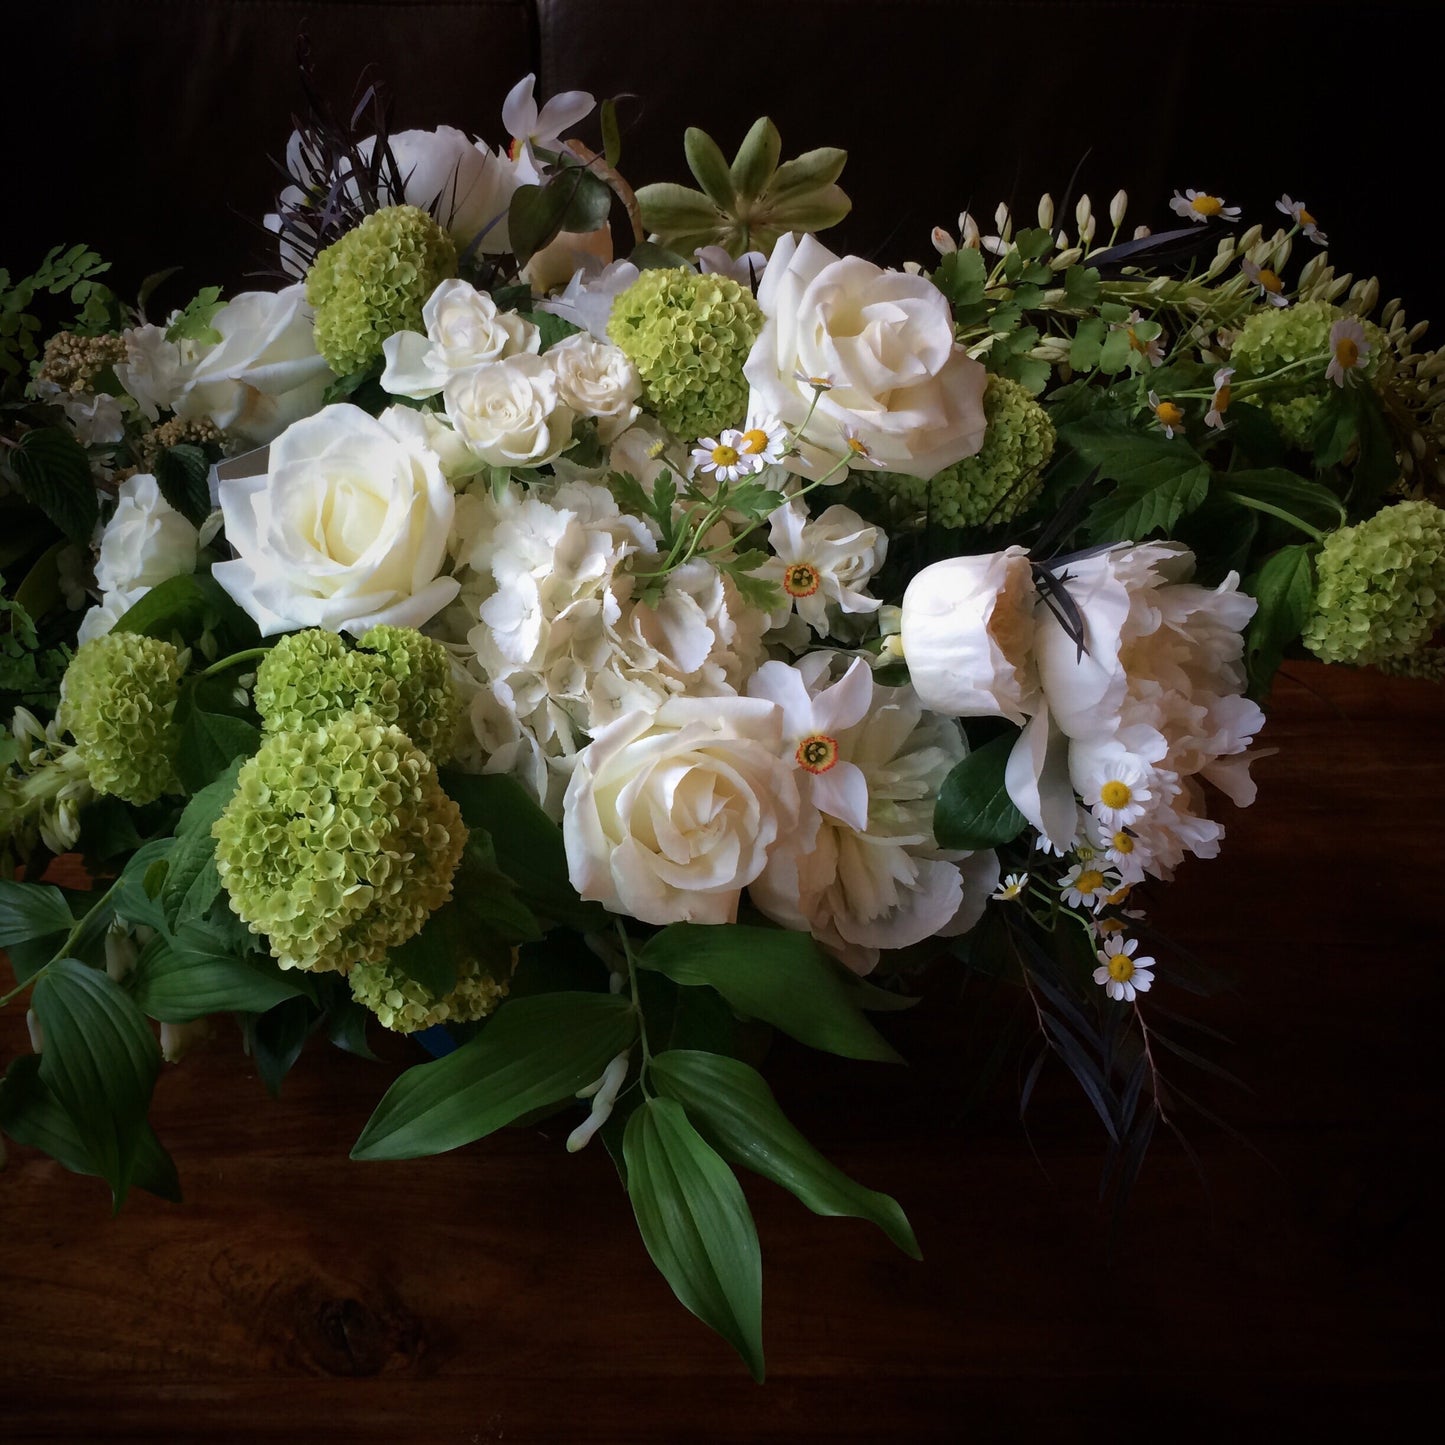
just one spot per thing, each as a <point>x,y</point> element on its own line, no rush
<point>346,529</point>
<point>668,818</point>
<point>264,373</point>
<point>510,413</point>
<point>146,542</point>
<point>899,387</point>
<point>464,328</point>
<point>597,379</point>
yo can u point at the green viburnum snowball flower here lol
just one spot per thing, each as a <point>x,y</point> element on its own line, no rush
<point>688,336</point>
<point>118,701</point>
<point>1381,591</point>
<point>1297,418</point>
<point>404,1006</point>
<point>395,674</point>
<point>1278,335</point>
<point>374,281</point>
<point>338,843</point>
<point>1000,480</point>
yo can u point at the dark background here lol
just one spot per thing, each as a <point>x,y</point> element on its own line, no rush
<point>500,1293</point>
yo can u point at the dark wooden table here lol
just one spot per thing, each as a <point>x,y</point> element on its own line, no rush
<point>501,1293</point>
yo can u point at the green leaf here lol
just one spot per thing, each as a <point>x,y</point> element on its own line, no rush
<point>100,1062</point>
<point>772,974</point>
<point>961,276</point>
<point>757,159</point>
<point>1284,587</point>
<point>277,1037</point>
<point>192,882</point>
<point>34,921</point>
<point>573,199</point>
<point>183,475</point>
<point>611,134</point>
<point>534,1052</point>
<point>974,809</point>
<point>1160,480</point>
<point>133,899</point>
<point>1087,345</point>
<point>1082,287</point>
<point>52,471</point>
<point>188,606</point>
<point>739,1115</point>
<point>346,1024</point>
<point>709,168</point>
<point>552,328</point>
<point>695,1223</point>
<point>194,323</point>
<point>211,731</point>
<point>188,976</point>
<point>1282,490</point>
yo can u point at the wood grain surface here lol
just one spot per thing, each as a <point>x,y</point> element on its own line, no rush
<point>501,1294</point>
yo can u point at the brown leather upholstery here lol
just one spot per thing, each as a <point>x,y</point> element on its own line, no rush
<point>153,143</point>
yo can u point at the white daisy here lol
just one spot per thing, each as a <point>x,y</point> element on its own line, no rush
<point>1116,788</point>
<point>763,442</point>
<point>1011,887</point>
<point>1201,207</point>
<point>1219,402</point>
<point>818,383</point>
<point>1151,348</point>
<point>1086,885</point>
<point>723,457</point>
<point>1269,283</point>
<point>1302,219</point>
<point>1122,975</point>
<point>1348,348</point>
<point>1169,415</point>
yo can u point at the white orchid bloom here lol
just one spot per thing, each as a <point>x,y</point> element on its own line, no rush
<point>532,129</point>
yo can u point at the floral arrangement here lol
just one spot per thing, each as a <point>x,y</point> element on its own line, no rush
<point>588,656</point>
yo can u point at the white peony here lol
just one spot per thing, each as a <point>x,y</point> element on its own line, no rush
<point>899,387</point>
<point>146,541</point>
<point>511,412</point>
<point>668,818</point>
<point>264,373</point>
<point>464,184</point>
<point>598,380</point>
<point>346,529</point>
<point>464,328</point>
<point>967,631</point>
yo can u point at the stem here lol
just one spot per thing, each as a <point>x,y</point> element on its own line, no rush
<point>637,1008</point>
<point>1155,1078</point>
<point>1274,511</point>
<point>234,660</point>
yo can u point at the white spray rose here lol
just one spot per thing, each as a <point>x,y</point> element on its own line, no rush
<point>464,328</point>
<point>146,542</point>
<point>596,379</point>
<point>968,632</point>
<point>264,373</point>
<point>510,413</point>
<point>899,386</point>
<point>347,529</point>
<point>668,818</point>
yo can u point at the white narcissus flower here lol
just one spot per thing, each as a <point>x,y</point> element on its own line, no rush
<point>264,373</point>
<point>902,395</point>
<point>154,371</point>
<point>532,128</point>
<point>598,380</point>
<point>346,529</point>
<point>464,328</point>
<point>510,412</point>
<point>968,633</point>
<point>587,298</point>
<point>668,818</point>
<point>146,541</point>
<point>824,562</point>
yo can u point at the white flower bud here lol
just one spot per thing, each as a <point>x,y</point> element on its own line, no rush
<point>37,1034</point>
<point>1140,232</point>
<point>120,951</point>
<point>603,1093</point>
<point>1117,207</point>
<point>968,230</point>
<point>943,243</point>
<point>1046,211</point>
<point>1001,219</point>
<point>1084,213</point>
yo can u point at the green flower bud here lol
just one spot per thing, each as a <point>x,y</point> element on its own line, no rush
<point>118,700</point>
<point>338,844</point>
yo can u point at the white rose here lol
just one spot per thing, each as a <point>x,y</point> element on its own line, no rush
<point>464,328</point>
<point>510,412</point>
<point>347,529</point>
<point>102,618</point>
<point>264,373</point>
<point>899,385</point>
<point>597,379</point>
<point>153,371</point>
<point>146,542</point>
<point>967,630</point>
<point>668,818</point>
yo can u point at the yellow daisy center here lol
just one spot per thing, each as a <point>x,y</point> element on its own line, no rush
<point>1304,217</point>
<point>1119,895</point>
<point>1089,881</point>
<point>858,446</point>
<point>1270,281</point>
<point>1221,398</point>
<point>1347,352</point>
<point>1123,843</point>
<point>1121,967</point>
<point>755,440</point>
<point>1110,925</point>
<point>1207,205</point>
<point>801,579</point>
<point>1137,342</point>
<point>1116,794</point>
<point>818,753</point>
<point>724,455</point>
<point>1171,416</point>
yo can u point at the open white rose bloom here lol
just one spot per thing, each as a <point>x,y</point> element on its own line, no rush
<point>582,627</point>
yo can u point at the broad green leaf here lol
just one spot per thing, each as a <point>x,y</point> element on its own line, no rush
<point>695,1223</point>
<point>212,731</point>
<point>183,474</point>
<point>1284,587</point>
<point>709,168</point>
<point>737,1112</point>
<point>534,1052</point>
<point>772,974</point>
<point>757,159</point>
<point>573,199</point>
<point>188,606</point>
<point>1137,509</point>
<point>192,882</point>
<point>53,471</point>
<point>961,276</point>
<point>133,898</point>
<point>974,809</point>
<point>34,920</point>
<point>611,134</point>
<point>100,1061</point>
<point>1277,490</point>
<point>277,1037</point>
<point>188,976</point>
